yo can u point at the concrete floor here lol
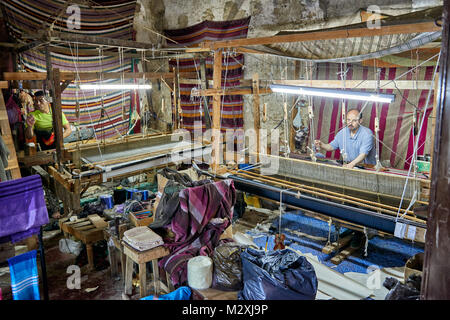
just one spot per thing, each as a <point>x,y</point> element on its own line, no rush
<point>57,264</point>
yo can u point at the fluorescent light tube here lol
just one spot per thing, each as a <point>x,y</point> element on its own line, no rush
<point>114,86</point>
<point>333,93</point>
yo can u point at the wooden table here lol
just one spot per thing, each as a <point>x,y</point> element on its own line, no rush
<point>88,230</point>
<point>141,258</point>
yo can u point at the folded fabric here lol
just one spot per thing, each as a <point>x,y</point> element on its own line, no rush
<point>142,238</point>
<point>22,208</point>
<point>24,276</point>
<point>202,216</point>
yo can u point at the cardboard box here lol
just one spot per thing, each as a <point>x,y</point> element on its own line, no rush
<point>141,218</point>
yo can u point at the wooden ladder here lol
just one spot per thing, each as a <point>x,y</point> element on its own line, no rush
<point>5,133</point>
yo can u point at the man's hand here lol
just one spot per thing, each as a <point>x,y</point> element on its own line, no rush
<point>349,165</point>
<point>318,144</point>
<point>30,121</point>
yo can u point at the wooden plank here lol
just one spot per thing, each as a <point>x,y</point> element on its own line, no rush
<point>5,132</point>
<point>256,112</point>
<point>341,256</point>
<point>433,120</point>
<point>4,85</point>
<point>66,182</point>
<point>71,76</point>
<point>349,32</point>
<point>97,221</point>
<point>232,91</point>
<point>337,246</point>
<point>144,256</point>
<point>57,116</point>
<point>217,78</point>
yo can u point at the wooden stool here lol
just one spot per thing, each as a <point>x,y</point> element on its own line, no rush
<point>88,230</point>
<point>141,258</point>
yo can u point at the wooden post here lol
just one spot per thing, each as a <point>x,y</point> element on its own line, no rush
<point>436,269</point>
<point>256,112</point>
<point>204,86</point>
<point>433,120</point>
<point>57,117</point>
<point>217,83</point>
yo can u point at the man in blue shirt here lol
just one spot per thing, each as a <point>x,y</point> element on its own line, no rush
<point>359,144</point>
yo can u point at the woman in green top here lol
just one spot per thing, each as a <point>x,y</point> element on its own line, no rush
<point>40,123</point>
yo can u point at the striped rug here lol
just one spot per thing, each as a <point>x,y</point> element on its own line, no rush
<point>232,72</point>
<point>113,19</point>
<point>395,120</point>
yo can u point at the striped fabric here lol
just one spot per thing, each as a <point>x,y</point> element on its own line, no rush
<point>24,276</point>
<point>113,19</point>
<point>232,72</point>
<point>396,119</point>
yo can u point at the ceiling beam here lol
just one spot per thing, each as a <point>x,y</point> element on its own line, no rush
<point>87,75</point>
<point>324,35</point>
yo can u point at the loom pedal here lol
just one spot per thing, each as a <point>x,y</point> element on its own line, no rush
<point>336,246</point>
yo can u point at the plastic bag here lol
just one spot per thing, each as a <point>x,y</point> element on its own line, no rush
<point>70,246</point>
<point>182,293</point>
<point>277,275</point>
<point>227,274</point>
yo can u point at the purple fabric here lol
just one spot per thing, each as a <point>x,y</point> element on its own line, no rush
<point>22,208</point>
<point>204,213</point>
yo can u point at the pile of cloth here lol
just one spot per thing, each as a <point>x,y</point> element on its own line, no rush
<point>193,217</point>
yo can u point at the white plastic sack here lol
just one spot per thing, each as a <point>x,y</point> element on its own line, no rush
<point>70,246</point>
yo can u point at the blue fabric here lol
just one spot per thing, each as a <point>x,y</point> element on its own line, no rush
<point>24,276</point>
<point>182,293</point>
<point>361,142</point>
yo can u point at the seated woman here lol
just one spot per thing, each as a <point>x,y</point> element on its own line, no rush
<point>40,123</point>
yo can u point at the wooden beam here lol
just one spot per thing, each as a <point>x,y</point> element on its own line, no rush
<point>233,91</point>
<point>215,137</point>
<point>256,112</point>
<point>204,86</point>
<point>71,76</point>
<point>325,35</point>
<point>436,269</point>
<point>57,116</point>
<point>98,41</point>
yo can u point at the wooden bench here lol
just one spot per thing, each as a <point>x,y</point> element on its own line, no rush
<point>88,230</point>
<point>141,258</point>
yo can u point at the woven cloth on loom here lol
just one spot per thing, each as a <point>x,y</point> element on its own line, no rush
<point>232,71</point>
<point>116,17</point>
<point>24,276</point>
<point>22,208</point>
<point>396,119</point>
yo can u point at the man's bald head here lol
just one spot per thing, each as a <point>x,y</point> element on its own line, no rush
<point>354,119</point>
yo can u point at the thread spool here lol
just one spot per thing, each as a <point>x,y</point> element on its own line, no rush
<point>200,272</point>
<point>144,195</point>
<point>107,201</point>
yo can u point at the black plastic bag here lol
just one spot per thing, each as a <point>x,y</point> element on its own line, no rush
<point>227,274</point>
<point>277,275</point>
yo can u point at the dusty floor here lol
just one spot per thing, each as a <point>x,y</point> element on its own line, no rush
<point>99,285</point>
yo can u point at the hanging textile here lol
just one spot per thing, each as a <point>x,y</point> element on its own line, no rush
<point>22,208</point>
<point>112,19</point>
<point>232,72</point>
<point>204,213</point>
<point>395,119</point>
<point>24,276</point>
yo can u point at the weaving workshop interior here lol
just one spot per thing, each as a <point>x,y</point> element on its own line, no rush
<point>245,151</point>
